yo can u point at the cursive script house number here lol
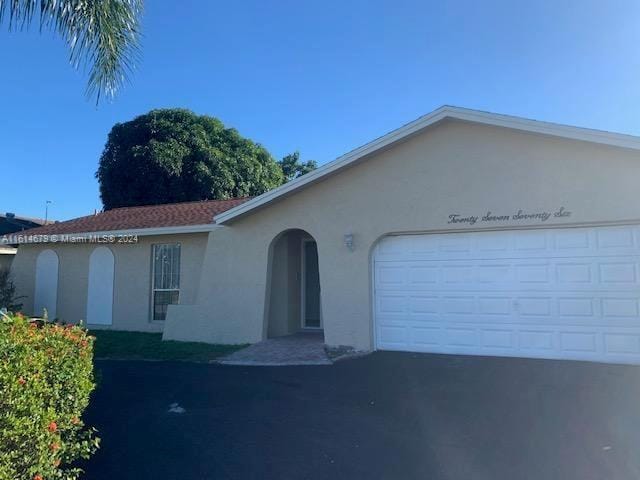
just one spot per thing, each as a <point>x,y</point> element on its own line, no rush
<point>521,215</point>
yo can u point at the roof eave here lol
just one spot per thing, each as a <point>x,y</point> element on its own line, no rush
<point>182,229</point>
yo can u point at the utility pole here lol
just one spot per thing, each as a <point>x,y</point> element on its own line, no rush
<point>46,211</point>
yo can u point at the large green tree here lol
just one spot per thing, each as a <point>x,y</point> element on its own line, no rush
<point>293,167</point>
<point>101,34</point>
<point>174,155</point>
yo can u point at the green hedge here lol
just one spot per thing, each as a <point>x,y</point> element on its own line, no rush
<point>46,377</point>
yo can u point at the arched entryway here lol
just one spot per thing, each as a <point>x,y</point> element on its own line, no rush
<point>294,285</point>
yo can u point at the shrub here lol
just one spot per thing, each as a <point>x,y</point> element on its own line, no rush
<point>8,298</point>
<point>46,377</point>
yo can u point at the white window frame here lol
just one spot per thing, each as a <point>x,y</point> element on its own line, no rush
<point>153,278</point>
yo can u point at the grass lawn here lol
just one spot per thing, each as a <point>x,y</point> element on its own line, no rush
<point>115,345</point>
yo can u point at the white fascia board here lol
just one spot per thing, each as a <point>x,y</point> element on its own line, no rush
<point>208,227</point>
<point>545,128</point>
<point>442,113</point>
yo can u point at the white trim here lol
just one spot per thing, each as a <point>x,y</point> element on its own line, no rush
<point>442,113</point>
<point>208,227</point>
<point>303,285</point>
<point>372,292</point>
<point>8,251</point>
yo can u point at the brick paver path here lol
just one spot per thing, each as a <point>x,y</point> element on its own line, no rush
<point>298,349</point>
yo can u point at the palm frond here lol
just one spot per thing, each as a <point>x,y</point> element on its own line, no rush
<point>102,35</point>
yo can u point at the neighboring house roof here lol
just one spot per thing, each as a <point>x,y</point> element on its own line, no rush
<point>11,223</point>
<point>6,250</point>
<point>433,118</point>
<point>166,218</point>
<point>39,221</point>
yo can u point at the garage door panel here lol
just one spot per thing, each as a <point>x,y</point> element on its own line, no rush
<point>457,274</point>
<point>423,275</point>
<point>530,306</point>
<point>390,275</point>
<point>550,243</point>
<point>584,342</point>
<point>574,272</point>
<point>616,237</point>
<point>537,343</point>
<point>391,304</point>
<point>391,335</point>
<point>419,304</point>
<point>461,337</point>
<point>618,272</point>
<point>573,239</point>
<point>541,341</point>
<point>499,338</point>
<point>566,293</point>
<point>494,273</point>
<point>566,275</point>
<point>533,273</point>
<point>624,309</point>
<point>459,305</point>
<point>568,310</point>
<point>623,344</point>
<point>426,336</point>
<point>531,241</point>
<point>492,244</point>
<point>576,307</point>
<point>495,305</point>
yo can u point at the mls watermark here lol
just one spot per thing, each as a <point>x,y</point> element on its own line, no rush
<point>20,239</point>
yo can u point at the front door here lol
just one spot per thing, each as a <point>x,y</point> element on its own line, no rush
<point>311,312</point>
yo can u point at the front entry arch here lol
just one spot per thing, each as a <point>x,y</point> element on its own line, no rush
<point>294,292</point>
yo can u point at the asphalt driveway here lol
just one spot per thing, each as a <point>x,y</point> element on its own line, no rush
<point>387,415</point>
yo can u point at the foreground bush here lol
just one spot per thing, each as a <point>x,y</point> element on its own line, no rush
<point>46,377</point>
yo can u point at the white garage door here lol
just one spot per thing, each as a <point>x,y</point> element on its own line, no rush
<point>570,293</point>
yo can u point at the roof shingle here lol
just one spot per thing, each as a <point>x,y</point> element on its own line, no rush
<point>133,218</point>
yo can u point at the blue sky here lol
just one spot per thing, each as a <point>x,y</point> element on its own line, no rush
<point>321,77</point>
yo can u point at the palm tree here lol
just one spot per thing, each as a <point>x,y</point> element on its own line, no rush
<point>102,35</point>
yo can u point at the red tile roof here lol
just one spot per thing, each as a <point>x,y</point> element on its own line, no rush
<point>152,216</point>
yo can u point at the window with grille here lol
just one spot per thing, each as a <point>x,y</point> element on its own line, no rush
<point>165,279</point>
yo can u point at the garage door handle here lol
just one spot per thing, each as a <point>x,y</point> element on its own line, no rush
<point>516,305</point>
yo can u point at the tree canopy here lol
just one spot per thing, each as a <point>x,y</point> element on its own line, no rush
<point>292,167</point>
<point>174,155</point>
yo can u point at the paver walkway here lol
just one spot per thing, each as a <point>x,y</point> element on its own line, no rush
<point>298,349</point>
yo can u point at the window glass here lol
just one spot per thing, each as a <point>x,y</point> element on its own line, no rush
<point>166,278</point>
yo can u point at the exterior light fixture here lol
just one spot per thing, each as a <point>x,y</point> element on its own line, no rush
<point>348,241</point>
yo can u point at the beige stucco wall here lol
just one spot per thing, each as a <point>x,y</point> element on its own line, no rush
<point>132,283</point>
<point>455,167</point>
